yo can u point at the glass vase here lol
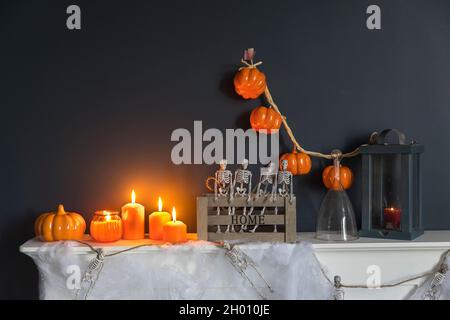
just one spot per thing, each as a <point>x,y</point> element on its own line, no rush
<point>336,219</point>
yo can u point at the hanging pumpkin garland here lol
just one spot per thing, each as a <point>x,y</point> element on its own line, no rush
<point>250,83</point>
<point>265,120</point>
<point>298,163</point>
<point>345,177</point>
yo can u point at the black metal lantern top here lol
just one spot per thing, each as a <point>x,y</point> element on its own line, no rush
<point>378,144</point>
<point>391,182</point>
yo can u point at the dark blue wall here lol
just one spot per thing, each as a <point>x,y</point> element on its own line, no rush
<point>87,115</point>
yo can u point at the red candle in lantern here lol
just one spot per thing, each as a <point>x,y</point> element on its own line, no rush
<point>392,218</point>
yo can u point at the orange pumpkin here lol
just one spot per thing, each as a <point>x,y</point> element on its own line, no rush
<point>298,163</point>
<point>249,82</point>
<point>60,225</point>
<point>263,118</point>
<point>329,180</point>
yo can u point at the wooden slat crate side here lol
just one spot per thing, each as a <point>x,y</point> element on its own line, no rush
<point>290,221</point>
<point>256,236</point>
<point>287,217</point>
<point>202,218</point>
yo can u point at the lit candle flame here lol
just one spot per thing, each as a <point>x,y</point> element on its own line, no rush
<point>159,204</point>
<point>133,196</point>
<point>174,214</point>
<point>107,215</point>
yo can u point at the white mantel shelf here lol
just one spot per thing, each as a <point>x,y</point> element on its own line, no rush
<point>430,240</point>
<point>396,259</point>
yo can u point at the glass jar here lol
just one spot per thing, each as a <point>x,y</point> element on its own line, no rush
<point>106,226</point>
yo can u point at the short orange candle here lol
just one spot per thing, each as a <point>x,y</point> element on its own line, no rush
<point>106,226</point>
<point>174,231</point>
<point>156,221</point>
<point>133,217</point>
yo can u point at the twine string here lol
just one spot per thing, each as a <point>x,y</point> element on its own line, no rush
<point>442,267</point>
<point>236,257</point>
<point>297,145</point>
<point>249,64</point>
<point>270,100</point>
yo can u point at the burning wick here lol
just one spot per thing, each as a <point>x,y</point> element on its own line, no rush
<point>133,196</point>
<point>174,214</point>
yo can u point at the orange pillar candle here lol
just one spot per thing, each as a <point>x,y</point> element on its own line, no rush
<point>174,231</point>
<point>133,216</point>
<point>106,226</point>
<point>156,221</point>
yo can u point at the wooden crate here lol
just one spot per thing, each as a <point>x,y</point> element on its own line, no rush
<point>207,219</point>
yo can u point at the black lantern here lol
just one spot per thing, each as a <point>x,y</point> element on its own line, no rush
<point>391,187</point>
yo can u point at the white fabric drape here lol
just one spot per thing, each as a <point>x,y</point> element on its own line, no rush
<point>196,270</point>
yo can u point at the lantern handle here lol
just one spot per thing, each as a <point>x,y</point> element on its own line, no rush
<point>380,138</point>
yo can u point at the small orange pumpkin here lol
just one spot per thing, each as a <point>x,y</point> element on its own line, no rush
<point>298,163</point>
<point>60,225</point>
<point>263,118</point>
<point>345,175</point>
<point>249,82</point>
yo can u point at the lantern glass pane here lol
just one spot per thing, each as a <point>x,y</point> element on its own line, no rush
<point>417,224</point>
<point>386,192</point>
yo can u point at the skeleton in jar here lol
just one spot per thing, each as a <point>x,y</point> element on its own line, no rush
<point>267,185</point>
<point>242,188</point>
<point>223,186</point>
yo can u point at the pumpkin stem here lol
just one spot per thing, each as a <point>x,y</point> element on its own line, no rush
<point>61,209</point>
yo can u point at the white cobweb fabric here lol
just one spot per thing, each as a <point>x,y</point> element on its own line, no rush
<point>444,290</point>
<point>196,270</point>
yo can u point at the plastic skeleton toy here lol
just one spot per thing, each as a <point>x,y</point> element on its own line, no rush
<point>267,178</point>
<point>285,188</point>
<point>242,188</point>
<point>91,274</point>
<point>243,178</point>
<point>435,286</point>
<point>223,186</point>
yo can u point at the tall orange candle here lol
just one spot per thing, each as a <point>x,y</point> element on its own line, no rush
<point>133,216</point>
<point>156,221</point>
<point>174,231</point>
